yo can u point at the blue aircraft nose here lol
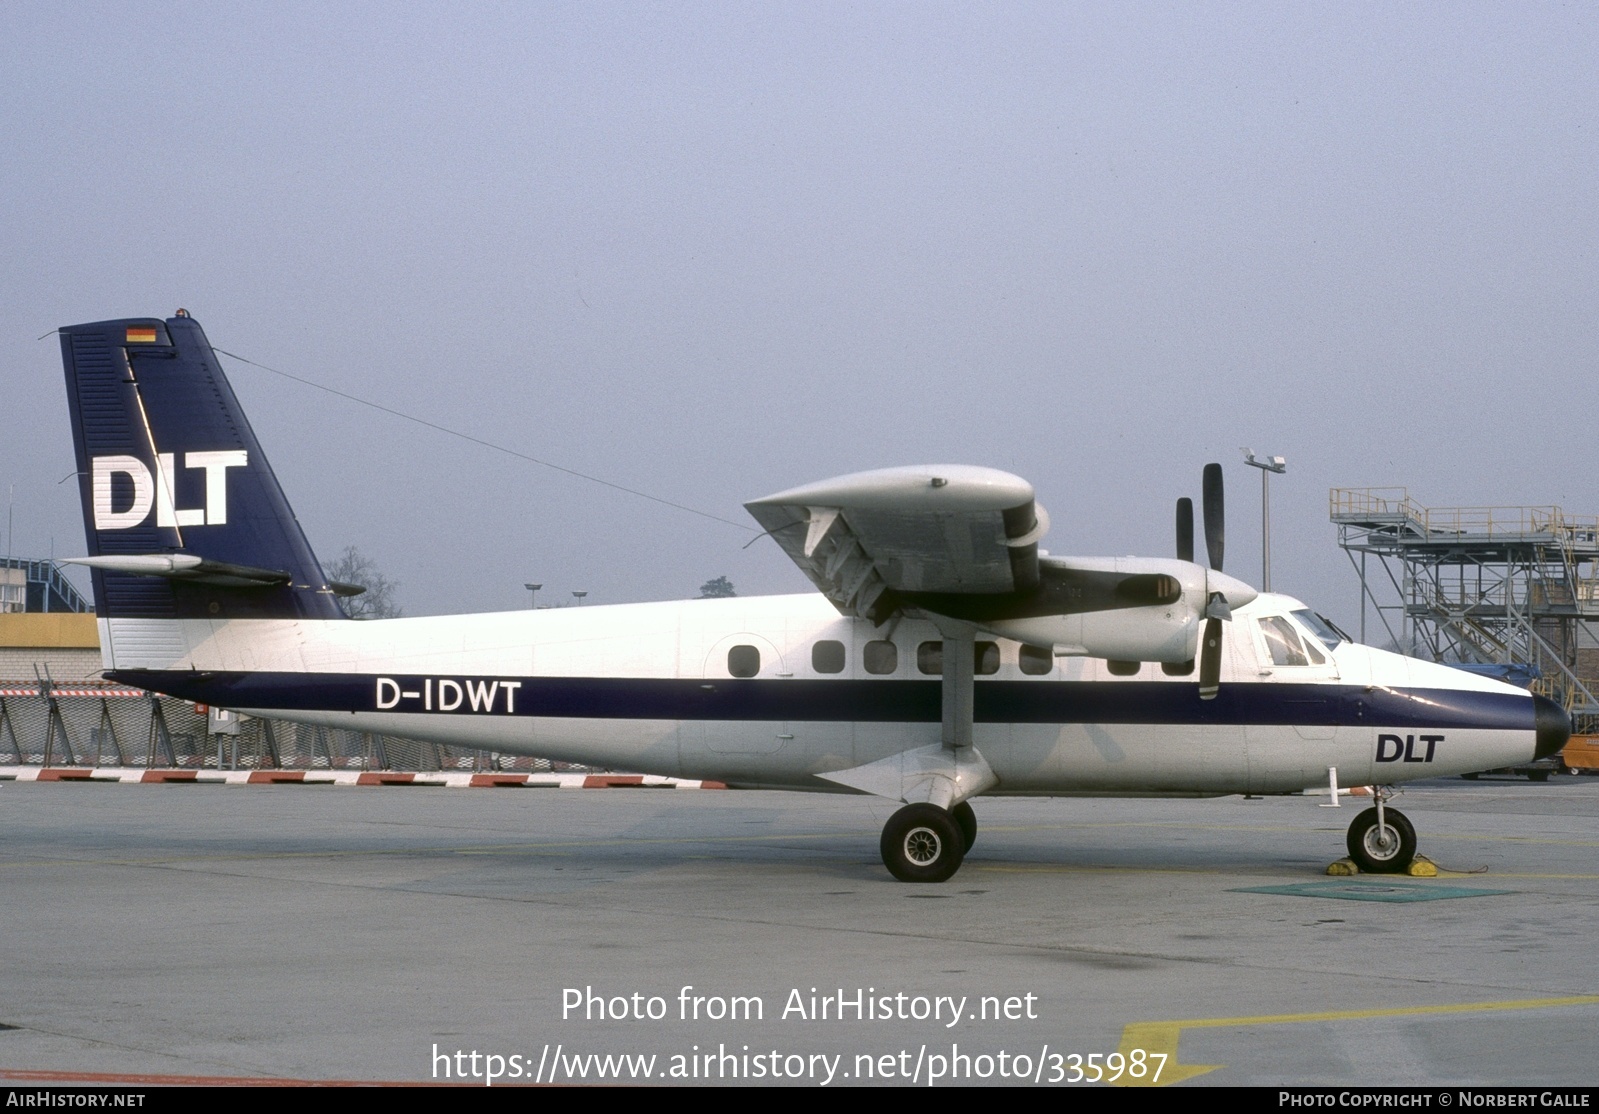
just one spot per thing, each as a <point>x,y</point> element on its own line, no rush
<point>1553,726</point>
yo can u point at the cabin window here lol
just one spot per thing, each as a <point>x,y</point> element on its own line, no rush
<point>1282,642</point>
<point>880,656</point>
<point>1036,661</point>
<point>743,661</point>
<point>985,658</point>
<point>1123,668</point>
<point>827,656</point>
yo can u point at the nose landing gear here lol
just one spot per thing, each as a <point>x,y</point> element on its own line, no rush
<point>1382,840</point>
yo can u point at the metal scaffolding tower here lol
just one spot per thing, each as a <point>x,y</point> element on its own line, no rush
<point>1515,586</point>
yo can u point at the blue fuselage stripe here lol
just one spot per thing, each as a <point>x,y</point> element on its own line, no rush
<point>870,701</point>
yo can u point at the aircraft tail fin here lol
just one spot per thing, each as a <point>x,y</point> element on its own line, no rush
<point>183,516</point>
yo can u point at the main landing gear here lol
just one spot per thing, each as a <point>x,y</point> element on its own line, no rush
<point>966,821</point>
<point>925,843</point>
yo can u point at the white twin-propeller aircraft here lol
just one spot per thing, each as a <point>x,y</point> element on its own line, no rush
<point>945,657</point>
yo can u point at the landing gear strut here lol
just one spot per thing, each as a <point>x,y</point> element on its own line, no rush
<point>924,843</point>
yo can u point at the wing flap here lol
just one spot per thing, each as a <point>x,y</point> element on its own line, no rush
<point>953,529</point>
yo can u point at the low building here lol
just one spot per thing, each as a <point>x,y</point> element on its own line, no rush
<point>57,709</point>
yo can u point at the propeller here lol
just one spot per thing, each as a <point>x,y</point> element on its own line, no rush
<point>1215,529</point>
<point>1216,607</point>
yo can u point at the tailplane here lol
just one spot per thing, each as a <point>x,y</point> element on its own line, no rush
<point>183,516</point>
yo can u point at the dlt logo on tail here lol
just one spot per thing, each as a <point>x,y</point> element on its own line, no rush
<point>157,489</point>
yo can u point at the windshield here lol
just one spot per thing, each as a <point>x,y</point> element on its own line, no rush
<point>1321,628</point>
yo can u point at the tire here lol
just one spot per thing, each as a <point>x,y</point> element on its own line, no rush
<point>1374,853</point>
<point>1469,777</point>
<point>966,821</point>
<point>922,843</point>
<point>1538,775</point>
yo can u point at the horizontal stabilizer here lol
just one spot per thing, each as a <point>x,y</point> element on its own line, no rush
<point>186,566</point>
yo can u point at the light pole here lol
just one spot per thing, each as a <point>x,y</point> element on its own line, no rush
<point>1267,467</point>
<point>579,596</point>
<point>533,602</point>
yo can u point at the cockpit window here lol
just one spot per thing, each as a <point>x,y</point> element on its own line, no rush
<point>1336,629</point>
<point>1330,635</point>
<point>1284,644</point>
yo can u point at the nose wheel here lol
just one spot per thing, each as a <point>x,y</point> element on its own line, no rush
<point>1382,841</point>
<point>924,843</point>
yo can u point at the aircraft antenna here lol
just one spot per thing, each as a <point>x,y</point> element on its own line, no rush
<point>486,444</point>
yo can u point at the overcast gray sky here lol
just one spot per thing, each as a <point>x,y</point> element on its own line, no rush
<point>716,250</point>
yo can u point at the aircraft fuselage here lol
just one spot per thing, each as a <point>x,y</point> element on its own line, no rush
<point>652,688</point>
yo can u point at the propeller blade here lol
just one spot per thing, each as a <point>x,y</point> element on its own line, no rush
<point>1185,529</point>
<point>1215,528</point>
<point>1210,661</point>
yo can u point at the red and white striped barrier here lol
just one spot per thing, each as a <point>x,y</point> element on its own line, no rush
<point>58,690</point>
<point>452,779</point>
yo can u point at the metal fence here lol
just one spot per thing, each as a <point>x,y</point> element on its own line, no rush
<point>92,725</point>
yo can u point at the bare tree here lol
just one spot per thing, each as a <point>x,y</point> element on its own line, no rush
<point>379,601</point>
<point>720,588</point>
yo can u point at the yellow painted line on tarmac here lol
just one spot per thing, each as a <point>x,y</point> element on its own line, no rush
<point>1289,829</point>
<point>484,849</point>
<point>1159,1038</point>
<point>1515,839</point>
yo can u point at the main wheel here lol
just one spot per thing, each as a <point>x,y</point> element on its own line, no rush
<point>922,843</point>
<point>966,821</point>
<point>1388,849</point>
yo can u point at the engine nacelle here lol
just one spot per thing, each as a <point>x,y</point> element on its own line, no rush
<point>1169,634</point>
<point>1165,631</point>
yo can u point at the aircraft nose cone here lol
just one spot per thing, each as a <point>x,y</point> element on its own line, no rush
<point>1553,726</point>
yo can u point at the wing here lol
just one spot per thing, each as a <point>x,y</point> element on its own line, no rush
<point>867,539</point>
